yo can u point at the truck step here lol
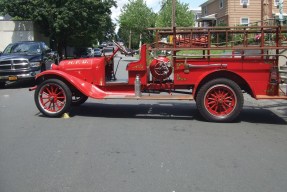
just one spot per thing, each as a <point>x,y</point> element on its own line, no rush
<point>151,97</point>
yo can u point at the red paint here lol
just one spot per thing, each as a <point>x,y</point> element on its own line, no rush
<point>220,100</point>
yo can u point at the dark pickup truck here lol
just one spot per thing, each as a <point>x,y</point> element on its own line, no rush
<point>23,60</point>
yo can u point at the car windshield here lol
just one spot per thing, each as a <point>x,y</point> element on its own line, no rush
<point>23,48</point>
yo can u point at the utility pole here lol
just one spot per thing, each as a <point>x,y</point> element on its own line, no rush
<point>266,10</point>
<point>173,24</point>
<point>173,20</point>
<point>281,19</point>
<point>130,39</point>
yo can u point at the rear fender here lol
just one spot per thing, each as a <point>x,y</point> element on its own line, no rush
<point>208,76</point>
<point>84,87</point>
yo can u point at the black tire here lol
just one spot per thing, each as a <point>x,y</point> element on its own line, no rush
<point>2,85</point>
<point>78,99</point>
<point>48,65</point>
<point>220,100</point>
<point>53,98</point>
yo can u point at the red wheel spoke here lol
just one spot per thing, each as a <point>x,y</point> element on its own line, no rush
<point>47,90</point>
<point>56,89</point>
<point>46,102</point>
<point>53,107</point>
<point>228,98</point>
<point>211,102</point>
<point>225,107</point>
<point>214,95</point>
<point>52,90</point>
<point>225,95</point>
<point>46,94</point>
<point>52,98</point>
<point>213,106</point>
<point>216,108</point>
<point>60,104</point>
<point>49,107</point>
<point>220,100</point>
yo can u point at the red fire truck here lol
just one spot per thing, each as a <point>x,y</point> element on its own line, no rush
<point>213,66</point>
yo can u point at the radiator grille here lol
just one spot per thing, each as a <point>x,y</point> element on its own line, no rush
<point>14,64</point>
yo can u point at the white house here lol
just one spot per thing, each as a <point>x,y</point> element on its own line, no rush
<point>14,31</point>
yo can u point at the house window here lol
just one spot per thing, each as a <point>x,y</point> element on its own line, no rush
<point>221,22</point>
<point>276,3</point>
<point>205,10</point>
<point>220,4</point>
<point>244,2</point>
<point>244,21</point>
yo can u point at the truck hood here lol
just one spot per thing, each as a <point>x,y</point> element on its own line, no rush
<point>17,56</point>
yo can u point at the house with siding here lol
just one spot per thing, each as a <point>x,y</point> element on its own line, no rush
<point>239,12</point>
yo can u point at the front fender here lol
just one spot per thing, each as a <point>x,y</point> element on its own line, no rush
<point>84,87</point>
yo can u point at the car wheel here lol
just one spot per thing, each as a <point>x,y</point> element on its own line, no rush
<point>220,100</point>
<point>43,67</point>
<point>78,99</point>
<point>53,98</point>
<point>2,84</point>
<point>48,65</point>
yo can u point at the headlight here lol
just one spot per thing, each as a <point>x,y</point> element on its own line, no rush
<point>35,64</point>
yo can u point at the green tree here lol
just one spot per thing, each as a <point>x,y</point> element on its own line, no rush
<point>184,16</point>
<point>65,21</point>
<point>134,19</point>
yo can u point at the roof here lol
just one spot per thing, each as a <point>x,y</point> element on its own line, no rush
<point>206,3</point>
<point>207,18</point>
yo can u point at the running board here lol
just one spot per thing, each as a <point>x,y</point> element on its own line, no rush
<point>151,97</point>
<point>271,97</point>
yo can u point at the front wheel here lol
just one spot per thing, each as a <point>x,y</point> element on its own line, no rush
<point>220,100</point>
<point>2,84</point>
<point>53,98</point>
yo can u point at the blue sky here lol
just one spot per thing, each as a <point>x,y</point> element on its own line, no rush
<point>194,3</point>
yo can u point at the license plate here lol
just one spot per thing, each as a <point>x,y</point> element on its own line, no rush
<point>12,78</point>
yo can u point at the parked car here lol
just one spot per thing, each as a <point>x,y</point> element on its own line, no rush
<point>130,52</point>
<point>97,52</point>
<point>24,60</point>
<point>108,50</point>
<point>104,44</point>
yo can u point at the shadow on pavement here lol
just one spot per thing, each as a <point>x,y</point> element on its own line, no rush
<point>145,111</point>
<point>176,111</point>
<point>18,84</point>
<point>262,116</point>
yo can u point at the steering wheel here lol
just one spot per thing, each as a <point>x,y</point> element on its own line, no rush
<point>120,47</point>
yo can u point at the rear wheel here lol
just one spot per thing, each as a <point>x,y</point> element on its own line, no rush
<point>220,100</point>
<point>78,99</point>
<point>53,98</point>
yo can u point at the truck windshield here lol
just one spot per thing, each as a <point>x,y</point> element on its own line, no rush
<point>23,48</point>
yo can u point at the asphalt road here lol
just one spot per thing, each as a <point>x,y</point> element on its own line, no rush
<point>140,146</point>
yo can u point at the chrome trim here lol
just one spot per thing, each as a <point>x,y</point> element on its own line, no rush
<point>14,64</point>
<point>208,66</point>
<point>21,76</point>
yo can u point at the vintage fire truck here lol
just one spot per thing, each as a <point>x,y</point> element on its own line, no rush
<point>214,66</point>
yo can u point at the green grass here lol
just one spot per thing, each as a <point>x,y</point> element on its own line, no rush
<point>200,52</point>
